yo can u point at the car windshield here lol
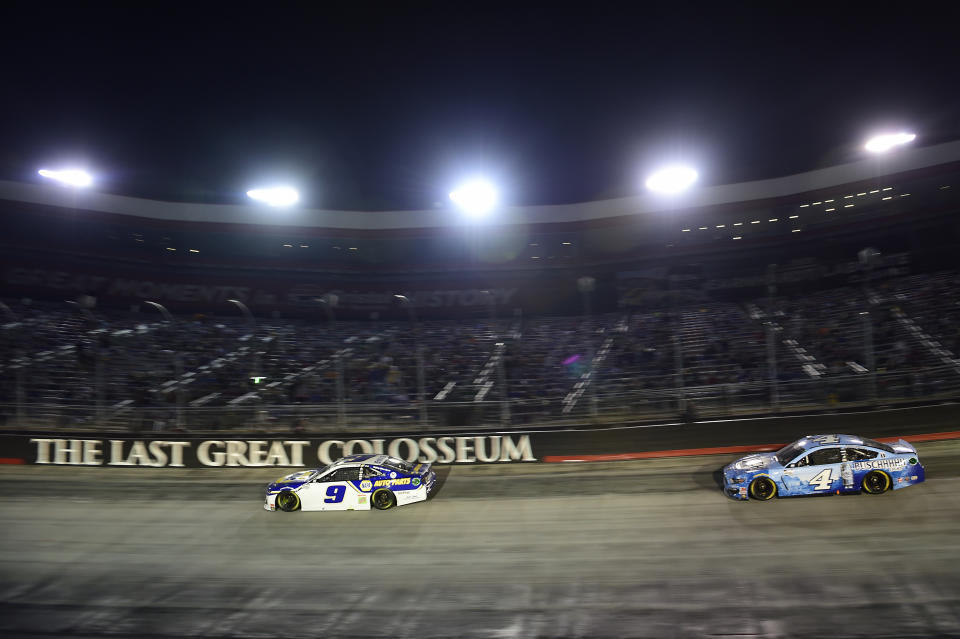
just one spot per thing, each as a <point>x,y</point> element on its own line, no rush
<point>788,452</point>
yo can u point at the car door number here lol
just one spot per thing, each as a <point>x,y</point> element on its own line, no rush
<point>822,480</point>
<point>335,494</point>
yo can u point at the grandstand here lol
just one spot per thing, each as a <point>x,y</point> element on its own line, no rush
<point>745,299</point>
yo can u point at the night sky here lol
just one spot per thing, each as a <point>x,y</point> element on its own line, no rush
<point>385,105</point>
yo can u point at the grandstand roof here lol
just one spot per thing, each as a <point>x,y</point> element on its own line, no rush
<point>855,172</point>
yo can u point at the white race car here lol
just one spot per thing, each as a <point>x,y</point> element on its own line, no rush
<point>357,482</point>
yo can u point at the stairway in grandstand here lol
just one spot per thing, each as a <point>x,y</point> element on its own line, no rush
<point>488,377</point>
<point>470,373</point>
<point>719,345</point>
<point>799,355</point>
<point>590,376</point>
<point>76,364</point>
<point>926,309</point>
<point>925,341</point>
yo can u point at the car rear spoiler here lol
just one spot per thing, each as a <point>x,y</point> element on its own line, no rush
<point>902,443</point>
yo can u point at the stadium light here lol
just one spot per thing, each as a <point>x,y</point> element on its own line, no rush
<point>476,198</point>
<point>275,195</point>
<point>672,179</point>
<point>68,177</point>
<point>887,141</point>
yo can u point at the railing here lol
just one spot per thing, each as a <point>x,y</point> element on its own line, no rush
<point>624,405</point>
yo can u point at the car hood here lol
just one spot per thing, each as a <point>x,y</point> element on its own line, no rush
<point>293,480</point>
<point>756,461</point>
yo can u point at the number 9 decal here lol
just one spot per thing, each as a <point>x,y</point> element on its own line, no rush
<point>335,494</point>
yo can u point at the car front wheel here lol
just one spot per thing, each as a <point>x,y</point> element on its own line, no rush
<point>763,488</point>
<point>876,482</point>
<point>288,501</point>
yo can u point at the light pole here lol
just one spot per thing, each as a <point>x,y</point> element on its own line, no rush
<point>177,360</point>
<point>771,338</point>
<point>97,360</point>
<point>20,397</point>
<point>586,285</point>
<point>501,370</point>
<point>677,346</point>
<point>868,258</point>
<point>252,323</point>
<point>421,378</point>
<point>329,301</point>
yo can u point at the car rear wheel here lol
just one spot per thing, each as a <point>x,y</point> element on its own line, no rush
<point>876,482</point>
<point>288,501</point>
<point>383,499</point>
<point>763,488</point>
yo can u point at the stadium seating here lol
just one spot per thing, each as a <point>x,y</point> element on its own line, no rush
<point>75,367</point>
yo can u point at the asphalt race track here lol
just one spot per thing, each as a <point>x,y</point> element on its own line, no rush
<point>629,549</point>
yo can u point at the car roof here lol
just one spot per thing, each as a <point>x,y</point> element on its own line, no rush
<point>819,441</point>
<point>362,459</point>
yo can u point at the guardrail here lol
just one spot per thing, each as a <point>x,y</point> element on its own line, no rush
<point>626,405</point>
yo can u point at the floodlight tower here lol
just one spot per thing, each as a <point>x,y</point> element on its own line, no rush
<point>672,179</point>
<point>476,198</point>
<point>884,142</point>
<point>74,179</point>
<point>881,147</point>
<point>275,196</point>
<point>68,177</point>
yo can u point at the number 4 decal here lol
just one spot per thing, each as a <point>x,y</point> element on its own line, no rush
<point>821,480</point>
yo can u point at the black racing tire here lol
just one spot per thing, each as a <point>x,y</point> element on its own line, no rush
<point>288,501</point>
<point>763,488</point>
<point>876,482</point>
<point>383,499</point>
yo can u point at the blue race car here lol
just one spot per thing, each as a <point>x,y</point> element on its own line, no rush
<point>357,482</point>
<point>824,464</point>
